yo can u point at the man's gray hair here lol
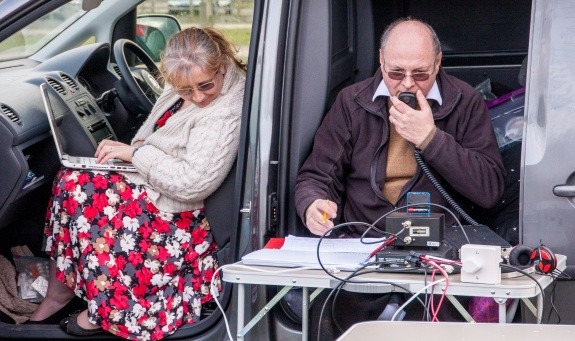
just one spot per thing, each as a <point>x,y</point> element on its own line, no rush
<point>390,27</point>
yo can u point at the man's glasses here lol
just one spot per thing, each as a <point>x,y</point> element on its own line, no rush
<point>398,75</point>
<point>203,87</point>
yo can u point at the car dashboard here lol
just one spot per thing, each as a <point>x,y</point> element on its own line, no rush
<point>81,84</point>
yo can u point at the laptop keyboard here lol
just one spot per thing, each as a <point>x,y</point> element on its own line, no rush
<point>82,160</point>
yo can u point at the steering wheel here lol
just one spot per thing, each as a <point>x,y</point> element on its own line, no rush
<point>138,88</point>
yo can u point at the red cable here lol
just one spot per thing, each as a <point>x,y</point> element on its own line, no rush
<point>435,310</point>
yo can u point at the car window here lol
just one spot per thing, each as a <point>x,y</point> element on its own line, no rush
<point>233,18</point>
<point>37,34</point>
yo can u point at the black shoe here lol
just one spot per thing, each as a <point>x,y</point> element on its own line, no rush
<point>70,325</point>
<point>5,318</point>
<point>75,304</point>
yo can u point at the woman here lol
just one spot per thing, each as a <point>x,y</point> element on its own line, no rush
<point>137,246</point>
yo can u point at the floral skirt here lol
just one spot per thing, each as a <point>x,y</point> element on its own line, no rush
<point>144,272</point>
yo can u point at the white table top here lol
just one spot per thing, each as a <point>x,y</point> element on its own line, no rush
<point>406,330</point>
<point>519,287</point>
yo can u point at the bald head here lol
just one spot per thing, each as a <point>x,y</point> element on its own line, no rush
<point>408,47</point>
<point>411,32</point>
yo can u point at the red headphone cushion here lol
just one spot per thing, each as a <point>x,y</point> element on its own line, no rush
<point>544,259</point>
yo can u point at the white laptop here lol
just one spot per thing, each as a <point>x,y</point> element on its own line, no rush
<point>78,162</point>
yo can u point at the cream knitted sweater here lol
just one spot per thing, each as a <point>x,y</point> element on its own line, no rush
<point>188,158</point>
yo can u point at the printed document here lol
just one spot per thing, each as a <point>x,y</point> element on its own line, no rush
<point>345,253</point>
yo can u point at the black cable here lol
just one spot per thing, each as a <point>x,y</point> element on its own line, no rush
<point>333,318</point>
<point>558,274</point>
<point>552,301</point>
<point>321,314</point>
<point>337,289</point>
<point>342,282</point>
<point>526,274</point>
<point>370,226</point>
<point>539,285</point>
<point>441,190</point>
<point>340,286</point>
<point>426,316</point>
<point>357,272</point>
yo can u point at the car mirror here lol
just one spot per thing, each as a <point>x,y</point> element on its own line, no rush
<point>90,4</point>
<point>153,32</point>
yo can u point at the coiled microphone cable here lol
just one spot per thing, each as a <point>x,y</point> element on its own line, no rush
<point>442,191</point>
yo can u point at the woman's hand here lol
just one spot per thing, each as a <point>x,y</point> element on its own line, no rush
<point>109,149</point>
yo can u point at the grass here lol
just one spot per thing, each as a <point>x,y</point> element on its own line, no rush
<point>237,36</point>
<point>236,28</point>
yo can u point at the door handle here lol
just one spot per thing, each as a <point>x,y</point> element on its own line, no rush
<point>564,191</point>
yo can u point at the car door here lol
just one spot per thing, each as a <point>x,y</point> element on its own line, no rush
<point>79,50</point>
<point>548,174</point>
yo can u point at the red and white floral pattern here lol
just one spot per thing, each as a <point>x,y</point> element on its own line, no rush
<point>143,272</point>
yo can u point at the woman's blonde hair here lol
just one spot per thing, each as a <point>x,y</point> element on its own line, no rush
<point>205,48</point>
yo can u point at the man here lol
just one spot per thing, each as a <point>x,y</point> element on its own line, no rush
<point>363,153</point>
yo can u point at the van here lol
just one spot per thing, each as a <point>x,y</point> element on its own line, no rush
<point>300,54</point>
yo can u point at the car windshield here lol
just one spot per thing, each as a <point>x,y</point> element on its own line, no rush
<point>33,37</point>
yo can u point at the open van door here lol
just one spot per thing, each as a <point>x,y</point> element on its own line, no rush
<point>547,204</point>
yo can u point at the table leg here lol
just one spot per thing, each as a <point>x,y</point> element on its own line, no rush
<point>242,332</point>
<point>460,308</point>
<point>306,301</point>
<point>304,314</point>
<point>512,310</point>
<point>539,307</point>
<point>241,308</point>
<point>537,311</point>
<point>502,309</point>
<point>534,310</point>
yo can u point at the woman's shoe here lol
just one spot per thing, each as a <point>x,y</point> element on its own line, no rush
<point>6,318</point>
<point>74,305</point>
<point>70,325</point>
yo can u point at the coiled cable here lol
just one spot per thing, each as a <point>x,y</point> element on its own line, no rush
<point>442,191</point>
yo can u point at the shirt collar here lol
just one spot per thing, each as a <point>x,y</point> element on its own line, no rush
<point>433,94</point>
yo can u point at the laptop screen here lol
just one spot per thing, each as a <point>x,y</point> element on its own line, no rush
<point>51,119</point>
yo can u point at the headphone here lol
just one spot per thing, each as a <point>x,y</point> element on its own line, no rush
<point>541,258</point>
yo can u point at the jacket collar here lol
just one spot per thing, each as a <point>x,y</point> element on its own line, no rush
<point>434,93</point>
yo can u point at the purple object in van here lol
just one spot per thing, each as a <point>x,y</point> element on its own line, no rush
<point>507,116</point>
<point>494,102</point>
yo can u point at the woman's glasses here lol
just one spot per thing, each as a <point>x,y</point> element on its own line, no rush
<point>202,87</point>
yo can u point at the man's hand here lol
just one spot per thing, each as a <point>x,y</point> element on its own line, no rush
<point>413,125</point>
<point>318,216</point>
